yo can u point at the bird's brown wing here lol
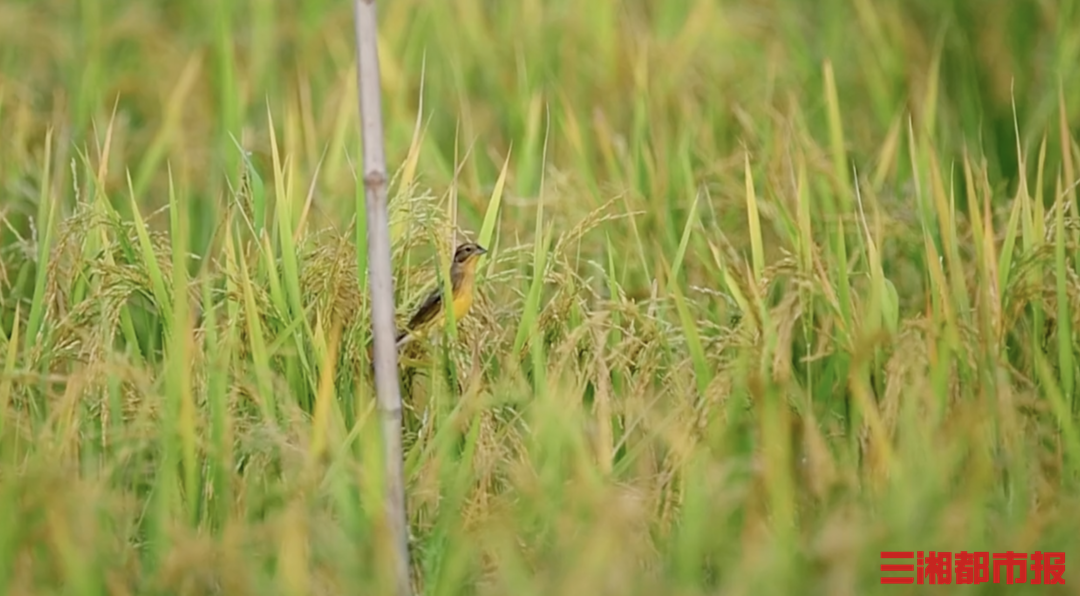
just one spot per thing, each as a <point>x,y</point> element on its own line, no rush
<point>428,309</point>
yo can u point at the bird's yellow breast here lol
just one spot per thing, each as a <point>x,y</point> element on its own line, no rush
<point>463,296</point>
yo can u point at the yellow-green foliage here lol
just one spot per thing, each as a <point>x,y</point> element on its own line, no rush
<point>773,287</point>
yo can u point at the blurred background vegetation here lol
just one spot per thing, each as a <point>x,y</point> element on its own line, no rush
<point>774,286</point>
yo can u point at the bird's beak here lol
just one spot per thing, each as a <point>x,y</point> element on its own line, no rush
<point>481,250</point>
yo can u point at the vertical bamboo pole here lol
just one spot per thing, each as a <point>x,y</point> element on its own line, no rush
<point>382,285</point>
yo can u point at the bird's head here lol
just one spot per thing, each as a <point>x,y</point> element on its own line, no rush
<point>468,253</point>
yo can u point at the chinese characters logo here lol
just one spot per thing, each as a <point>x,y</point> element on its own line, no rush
<point>944,568</point>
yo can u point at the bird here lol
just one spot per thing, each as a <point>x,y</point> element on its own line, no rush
<point>462,281</point>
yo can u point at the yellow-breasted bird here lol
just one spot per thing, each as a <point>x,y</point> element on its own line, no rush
<point>462,279</point>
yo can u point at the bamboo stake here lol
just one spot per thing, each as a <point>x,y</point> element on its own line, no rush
<point>382,286</point>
